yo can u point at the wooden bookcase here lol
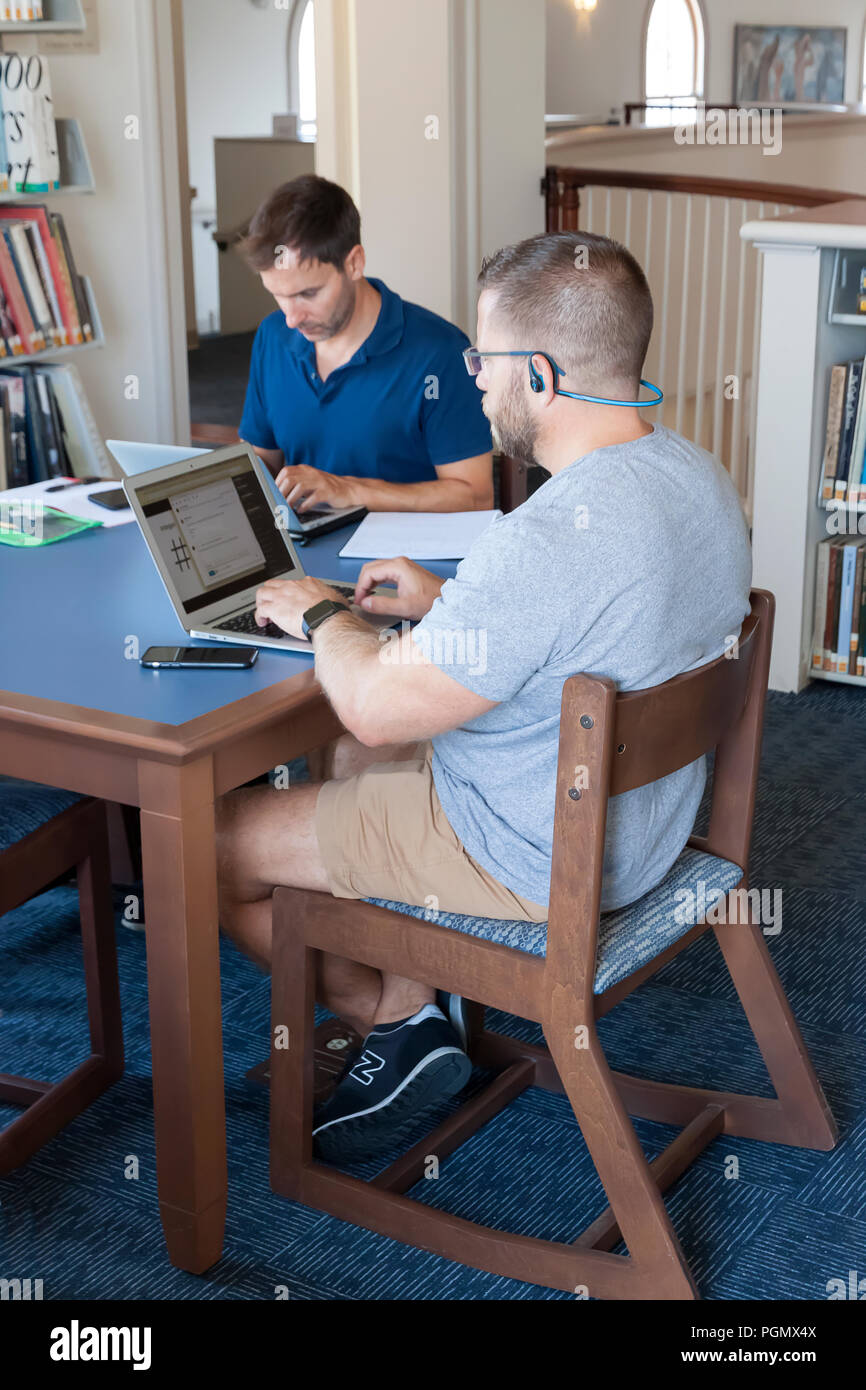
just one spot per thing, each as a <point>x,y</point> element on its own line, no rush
<point>76,172</point>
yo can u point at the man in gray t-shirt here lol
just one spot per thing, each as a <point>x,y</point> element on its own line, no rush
<point>631,562</point>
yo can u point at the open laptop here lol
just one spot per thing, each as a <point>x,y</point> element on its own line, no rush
<point>216,533</point>
<point>134,458</point>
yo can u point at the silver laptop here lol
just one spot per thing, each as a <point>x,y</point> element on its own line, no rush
<point>134,458</point>
<point>216,533</point>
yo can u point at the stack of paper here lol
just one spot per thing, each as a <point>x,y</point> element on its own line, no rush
<point>74,500</point>
<point>417,535</point>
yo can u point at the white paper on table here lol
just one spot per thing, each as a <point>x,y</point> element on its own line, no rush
<point>73,501</point>
<point>417,535</point>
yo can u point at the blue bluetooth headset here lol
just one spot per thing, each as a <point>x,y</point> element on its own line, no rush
<point>536,382</point>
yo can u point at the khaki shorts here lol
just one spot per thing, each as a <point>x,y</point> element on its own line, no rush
<point>383,834</point>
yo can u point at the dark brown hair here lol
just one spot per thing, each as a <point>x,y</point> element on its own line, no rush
<point>581,298</point>
<point>311,216</point>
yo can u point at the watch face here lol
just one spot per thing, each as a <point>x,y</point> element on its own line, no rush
<point>319,612</point>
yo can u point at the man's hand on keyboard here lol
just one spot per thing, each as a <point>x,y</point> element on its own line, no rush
<point>306,488</point>
<point>415,592</point>
<point>285,601</point>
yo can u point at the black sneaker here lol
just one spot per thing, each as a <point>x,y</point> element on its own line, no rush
<point>403,1068</point>
<point>453,1007</point>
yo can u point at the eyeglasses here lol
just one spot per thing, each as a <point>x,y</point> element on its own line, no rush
<point>474,359</point>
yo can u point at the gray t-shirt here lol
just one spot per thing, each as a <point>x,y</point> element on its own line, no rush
<point>633,563</point>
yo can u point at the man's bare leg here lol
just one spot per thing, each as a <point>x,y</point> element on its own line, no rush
<point>345,757</point>
<point>265,838</point>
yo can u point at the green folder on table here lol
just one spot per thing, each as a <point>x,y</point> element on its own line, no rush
<point>32,523</point>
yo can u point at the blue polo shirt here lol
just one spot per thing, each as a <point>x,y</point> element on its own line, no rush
<point>403,405</point>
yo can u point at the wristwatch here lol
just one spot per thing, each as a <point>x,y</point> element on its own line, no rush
<point>320,613</point>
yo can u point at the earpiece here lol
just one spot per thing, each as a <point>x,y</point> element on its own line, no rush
<point>536,383</point>
<point>536,380</point>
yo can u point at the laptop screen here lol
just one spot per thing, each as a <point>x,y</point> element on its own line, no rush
<point>215,532</point>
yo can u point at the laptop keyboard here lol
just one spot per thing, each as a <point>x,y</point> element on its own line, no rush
<point>246,622</point>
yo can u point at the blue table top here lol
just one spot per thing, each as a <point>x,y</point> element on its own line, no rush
<point>68,610</point>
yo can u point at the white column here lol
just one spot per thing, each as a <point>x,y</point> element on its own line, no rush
<point>431,113</point>
<point>785,469</point>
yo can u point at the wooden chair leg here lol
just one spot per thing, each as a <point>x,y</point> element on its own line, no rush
<point>293,975</point>
<point>621,1165</point>
<point>809,1121</point>
<point>50,1107</point>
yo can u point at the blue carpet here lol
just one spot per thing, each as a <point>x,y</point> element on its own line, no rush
<point>82,1215</point>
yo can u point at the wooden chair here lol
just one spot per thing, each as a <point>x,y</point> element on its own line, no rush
<point>566,978</point>
<point>43,834</point>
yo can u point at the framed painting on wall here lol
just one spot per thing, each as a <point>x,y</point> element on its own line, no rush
<point>781,63</point>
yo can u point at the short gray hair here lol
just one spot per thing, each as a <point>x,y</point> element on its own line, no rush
<point>580,298</point>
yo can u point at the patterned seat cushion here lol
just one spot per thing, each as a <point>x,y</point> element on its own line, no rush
<point>629,937</point>
<point>24,806</point>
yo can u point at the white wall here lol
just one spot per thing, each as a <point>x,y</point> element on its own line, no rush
<point>237,80</point>
<point>594,60</point>
<point>469,73</point>
<point>126,234</point>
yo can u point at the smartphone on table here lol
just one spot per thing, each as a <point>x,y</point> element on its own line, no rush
<point>200,658</point>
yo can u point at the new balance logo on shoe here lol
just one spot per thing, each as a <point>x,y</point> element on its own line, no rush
<point>365,1069</point>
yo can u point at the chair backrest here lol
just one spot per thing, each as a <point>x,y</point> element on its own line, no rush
<point>668,726</point>
<point>615,742</point>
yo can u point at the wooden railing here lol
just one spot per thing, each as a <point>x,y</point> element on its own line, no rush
<point>706,285</point>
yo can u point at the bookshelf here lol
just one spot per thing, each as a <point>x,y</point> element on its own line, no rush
<point>76,172</point>
<point>798,347</point>
<point>60,17</point>
<point>53,354</point>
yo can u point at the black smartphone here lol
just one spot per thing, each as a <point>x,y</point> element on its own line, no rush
<point>200,658</point>
<point>113,498</point>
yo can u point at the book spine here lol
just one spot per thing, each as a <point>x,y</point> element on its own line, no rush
<point>858,444</point>
<point>78,286</point>
<point>26,267</point>
<point>832,606</point>
<point>855,609</point>
<point>17,301</point>
<point>19,467</point>
<point>46,279</point>
<point>834,429</point>
<point>74,329</point>
<point>846,600</point>
<point>822,574</point>
<point>11,340</point>
<point>852,398</point>
<point>4,470</point>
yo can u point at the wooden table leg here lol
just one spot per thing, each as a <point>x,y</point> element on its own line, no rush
<point>182,932</point>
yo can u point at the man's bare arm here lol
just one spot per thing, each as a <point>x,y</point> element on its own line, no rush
<point>465,486</point>
<point>273,459</point>
<point>383,688</point>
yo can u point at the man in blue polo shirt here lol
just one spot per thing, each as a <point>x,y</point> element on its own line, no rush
<point>355,397</point>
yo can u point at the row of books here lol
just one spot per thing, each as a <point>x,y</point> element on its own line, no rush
<point>29,151</point>
<point>839,632</point>
<point>843,479</point>
<point>43,300</point>
<point>24,11</point>
<point>47,429</point>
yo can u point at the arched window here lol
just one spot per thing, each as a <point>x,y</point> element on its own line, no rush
<point>302,68</point>
<point>673,60</point>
